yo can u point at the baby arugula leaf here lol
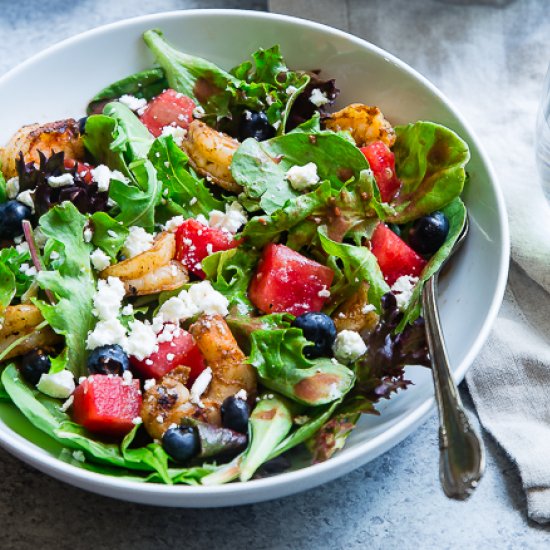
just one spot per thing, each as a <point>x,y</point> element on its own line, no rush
<point>430,161</point>
<point>184,193</point>
<point>145,84</point>
<point>278,357</point>
<point>137,203</point>
<point>109,235</point>
<point>72,283</point>
<point>11,260</point>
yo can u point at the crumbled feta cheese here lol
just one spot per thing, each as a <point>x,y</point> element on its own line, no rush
<point>178,134</point>
<point>67,404</point>
<point>54,256</point>
<point>230,221</point>
<point>178,308</point>
<point>108,298</point>
<point>141,341</point>
<point>276,124</point>
<point>367,308</point>
<point>170,356</point>
<point>12,187</point>
<point>133,103</point>
<point>291,90</point>
<point>168,333</point>
<point>173,223</point>
<point>61,181</point>
<point>27,198</point>
<point>60,384</point>
<point>303,177</point>
<point>200,385</point>
<point>106,333</point>
<point>79,456</point>
<point>88,234</point>
<point>403,289</point>
<point>127,378</point>
<point>23,247</point>
<point>324,292</point>
<point>138,241</point>
<point>241,394</point>
<point>208,300</point>
<point>28,270</point>
<point>348,346</point>
<point>160,419</point>
<point>127,310</point>
<point>100,260</point>
<point>103,175</point>
<point>149,384</point>
<point>198,112</point>
<point>137,421</point>
<point>318,97</point>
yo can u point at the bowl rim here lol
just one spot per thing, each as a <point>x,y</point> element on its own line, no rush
<point>36,456</point>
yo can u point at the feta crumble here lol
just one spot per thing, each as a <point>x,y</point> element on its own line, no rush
<point>138,241</point>
<point>178,134</point>
<point>198,112</point>
<point>324,292</point>
<point>303,177</point>
<point>149,384</point>
<point>348,346</point>
<point>403,289</point>
<point>291,90</point>
<point>241,394</point>
<point>230,221</point>
<point>100,260</point>
<point>108,298</point>
<point>173,223</point>
<point>318,97</point>
<point>88,234</point>
<point>106,333</point>
<point>200,385</point>
<point>23,247</point>
<point>133,103</point>
<point>61,181</point>
<point>103,175</point>
<point>141,341</point>
<point>137,421</point>
<point>12,187</point>
<point>127,310</point>
<point>60,384</point>
<point>27,198</point>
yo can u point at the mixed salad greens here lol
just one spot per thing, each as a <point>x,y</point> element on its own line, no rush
<point>211,268</point>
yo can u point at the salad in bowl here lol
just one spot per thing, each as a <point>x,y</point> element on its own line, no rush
<point>215,267</point>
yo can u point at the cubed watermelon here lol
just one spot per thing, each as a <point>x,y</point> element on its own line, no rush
<point>382,164</point>
<point>169,108</point>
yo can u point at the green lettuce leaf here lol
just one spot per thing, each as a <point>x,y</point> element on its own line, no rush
<point>45,414</point>
<point>3,191</point>
<point>359,264</point>
<point>72,283</point>
<point>456,214</point>
<point>277,355</point>
<point>264,85</point>
<point>183,192</point>
<point>230,272</point>
<point>10,262</point>
<point>261,167</point>
<point>137,203</point>
<point>145,84</point>
<point>430,161</point>
<point>109,234</point>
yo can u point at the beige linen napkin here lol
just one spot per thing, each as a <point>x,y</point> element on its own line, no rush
<point>490,60</point>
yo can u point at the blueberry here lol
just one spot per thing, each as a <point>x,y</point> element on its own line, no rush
<point>255,125</point>
<point>181,443</point>
<point>235,414</point>
<point>319,329</point>
<point>82,124</point>
<point>108,360</point>
<point>34,364</point>
<point>428,233</point>
<point>12,213</point>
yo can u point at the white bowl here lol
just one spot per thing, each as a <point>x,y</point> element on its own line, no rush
<point>58,82</point>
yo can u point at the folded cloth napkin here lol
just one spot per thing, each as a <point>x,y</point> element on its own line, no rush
<point>494,74</point>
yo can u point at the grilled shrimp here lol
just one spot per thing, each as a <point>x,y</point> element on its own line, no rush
<point>62,135</point>
<point>168,277</point>
<point>169,401</point>
<point>20,320</point>
<point>366,124</point>
<point>210,153</point>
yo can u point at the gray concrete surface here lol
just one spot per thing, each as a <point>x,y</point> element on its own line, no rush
<point>394,502</point>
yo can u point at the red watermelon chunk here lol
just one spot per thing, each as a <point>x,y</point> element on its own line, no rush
<point>169,108</point>
<point>107,405</point>
<point>382,164</point>
<point>286,281</point>
<point>180,350</point>
<point>395,257</point>
<point>195,241</point>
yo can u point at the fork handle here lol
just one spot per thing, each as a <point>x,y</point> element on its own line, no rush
<point>461,452</point>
